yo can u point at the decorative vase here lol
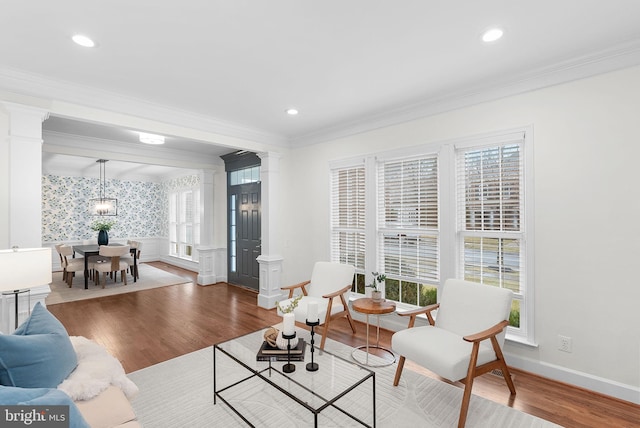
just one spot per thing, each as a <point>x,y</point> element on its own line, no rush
<point>281,342</point>
<point>103,237</point>
<point>376,296</point>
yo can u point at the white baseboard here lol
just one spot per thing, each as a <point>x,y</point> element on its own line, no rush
<point>205,280</point>
<point>184,264</point>
<point>573,377</point>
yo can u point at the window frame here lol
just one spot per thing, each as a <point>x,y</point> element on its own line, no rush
<point>450,264</point>
<point>334,219</point>
<point>417,231</point>
<point>525,333</point>
<point>178,223</point>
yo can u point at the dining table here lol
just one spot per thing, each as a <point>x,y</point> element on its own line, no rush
<point>93,250</point>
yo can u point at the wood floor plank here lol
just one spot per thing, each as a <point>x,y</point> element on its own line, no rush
<point>150,326</point>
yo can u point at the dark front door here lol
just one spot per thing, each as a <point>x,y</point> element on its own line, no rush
<point>244,220</point>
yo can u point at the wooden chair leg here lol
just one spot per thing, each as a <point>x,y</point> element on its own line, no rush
<point>324,333</point>
<point>396,380</point>
<point>327,321</point>
<point>503,366</point>
<point>468,384</point>
<point>104,279</point>
<point>123,275</point>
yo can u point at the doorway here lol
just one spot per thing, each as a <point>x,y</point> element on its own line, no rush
<point>244,219</point>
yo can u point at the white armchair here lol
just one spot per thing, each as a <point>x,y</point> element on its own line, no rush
<point>464,340</point>
<point>329,287</point>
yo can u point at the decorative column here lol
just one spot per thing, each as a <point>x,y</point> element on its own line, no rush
<point>22,173</point>
<point>25,175</point>
<point>212,266</point>
<point>270,260</point>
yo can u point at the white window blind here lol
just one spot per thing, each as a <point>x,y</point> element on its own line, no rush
<point>408,233</point>
<point>490,211</point>
<point>348,216</point>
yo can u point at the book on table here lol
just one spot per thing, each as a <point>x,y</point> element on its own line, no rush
<point>273,353</point>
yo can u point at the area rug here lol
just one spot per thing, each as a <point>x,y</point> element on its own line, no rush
<point>179,393</point>
<point>150,277</point>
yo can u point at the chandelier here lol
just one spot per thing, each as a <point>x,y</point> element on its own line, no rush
<point>103,206</point>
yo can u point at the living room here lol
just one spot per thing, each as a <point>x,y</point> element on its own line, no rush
<point>581,121</point>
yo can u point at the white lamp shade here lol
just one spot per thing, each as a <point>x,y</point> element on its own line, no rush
<point>25,268</point>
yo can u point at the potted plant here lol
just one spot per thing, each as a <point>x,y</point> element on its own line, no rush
<point>102,227</point>
<point>378,278</point>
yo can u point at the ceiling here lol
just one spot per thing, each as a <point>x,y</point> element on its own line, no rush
<point>347,66</point>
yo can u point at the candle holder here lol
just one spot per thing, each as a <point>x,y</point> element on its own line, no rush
<point>312,367</point>
<point>289,368</point>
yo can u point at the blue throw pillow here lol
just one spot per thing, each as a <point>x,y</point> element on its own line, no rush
<point>41,397</point>
<point>38,354</point>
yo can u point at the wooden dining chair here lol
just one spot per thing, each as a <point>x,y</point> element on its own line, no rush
<point>133,264</point>
<point>70,265</point>
<point>113,265</point>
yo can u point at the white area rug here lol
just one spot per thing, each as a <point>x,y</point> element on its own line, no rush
<point>150,277</point>
<point>179,393</point>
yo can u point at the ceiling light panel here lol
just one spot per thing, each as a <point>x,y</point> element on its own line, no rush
<point>151,138</point>
<point>492,34</point>
<point>83,40</point>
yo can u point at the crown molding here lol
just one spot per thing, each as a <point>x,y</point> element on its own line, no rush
<point>38,86</point>
<point>68,144</point>
<point>607,60</point>
<point>603,61</point>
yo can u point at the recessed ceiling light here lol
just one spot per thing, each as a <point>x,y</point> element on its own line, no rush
<point>83,41</point>
<point>151,138</point>
<point>292,111</point>
<point>492,35</point>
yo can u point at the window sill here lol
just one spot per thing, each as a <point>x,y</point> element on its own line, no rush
<point>512,338</point>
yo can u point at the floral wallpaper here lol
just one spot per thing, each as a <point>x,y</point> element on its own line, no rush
<point>143,209</point>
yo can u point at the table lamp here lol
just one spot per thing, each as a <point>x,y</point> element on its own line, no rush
<point>23,268</point>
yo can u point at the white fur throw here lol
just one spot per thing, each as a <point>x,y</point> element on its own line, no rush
<point>97,369</point>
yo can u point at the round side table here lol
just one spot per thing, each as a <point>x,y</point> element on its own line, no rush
<point>368,307</point>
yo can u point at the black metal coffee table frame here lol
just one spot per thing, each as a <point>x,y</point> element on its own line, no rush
<point>265,374</point>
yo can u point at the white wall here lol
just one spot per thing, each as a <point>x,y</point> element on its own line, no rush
<point>586,151</point>
<point>4,181</point>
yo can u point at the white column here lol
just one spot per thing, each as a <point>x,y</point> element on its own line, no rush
<point>212,266</point>
<point>270,260</point>
<point>25,175</point>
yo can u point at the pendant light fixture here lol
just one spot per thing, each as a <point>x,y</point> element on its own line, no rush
<point>103,206</point>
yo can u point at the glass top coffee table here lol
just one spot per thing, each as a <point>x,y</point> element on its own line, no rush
<point>341,390</point>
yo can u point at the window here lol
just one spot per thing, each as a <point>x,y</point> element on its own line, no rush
<point>424,214</point>
<point>408,235</point>
<point>245,175</point>
<point>491,232</point>
<point>348,219</point>
<point>184,227</point>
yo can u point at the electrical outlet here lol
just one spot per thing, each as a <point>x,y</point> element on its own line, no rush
<point>564,343</point>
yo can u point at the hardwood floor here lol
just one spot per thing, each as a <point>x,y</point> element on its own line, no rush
<point>146,327</point>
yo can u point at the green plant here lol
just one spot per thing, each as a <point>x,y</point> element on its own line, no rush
<point>291,307</point>
<point>105,225</point>
<point>377,280</point>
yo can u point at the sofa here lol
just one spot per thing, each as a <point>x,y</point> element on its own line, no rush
<point>41,365</point>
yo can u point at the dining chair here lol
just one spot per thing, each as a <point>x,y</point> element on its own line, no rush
<point>113,265</point>
<point>138,247</point>
<point>69,264</point>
